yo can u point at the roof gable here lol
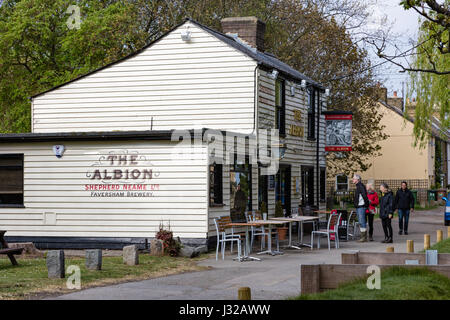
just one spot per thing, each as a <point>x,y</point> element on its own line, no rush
<point>260,57</point>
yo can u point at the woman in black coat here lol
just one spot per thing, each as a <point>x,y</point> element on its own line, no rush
<point>386,212</point>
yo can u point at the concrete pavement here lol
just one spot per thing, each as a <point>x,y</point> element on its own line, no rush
<point>275,277</point>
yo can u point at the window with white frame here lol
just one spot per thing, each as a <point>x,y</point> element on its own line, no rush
<point>341,182</point>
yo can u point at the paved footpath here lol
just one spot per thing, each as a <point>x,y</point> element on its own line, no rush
<point>276,277</point>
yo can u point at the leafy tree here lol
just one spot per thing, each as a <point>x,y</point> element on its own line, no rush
<point>38,51</point>
<point>428,64</point>
<point>431,89</point>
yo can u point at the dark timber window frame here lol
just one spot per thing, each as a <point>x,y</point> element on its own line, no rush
<point>313,109</point>
<point>215,185</point>
<point>280,106</point>
<point>18,203</point>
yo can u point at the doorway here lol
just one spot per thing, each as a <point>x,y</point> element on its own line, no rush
<point>283,187</point>
<point>307,177</point>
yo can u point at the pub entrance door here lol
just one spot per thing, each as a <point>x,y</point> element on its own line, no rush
<point>283,187</point>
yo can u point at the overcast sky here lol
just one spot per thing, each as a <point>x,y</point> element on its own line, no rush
<point>405,25</point>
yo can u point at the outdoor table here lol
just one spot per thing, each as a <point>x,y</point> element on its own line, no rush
<point>323,211</point>
<point>300,220</point>
<point>270,223</point>
<point>247,248</point>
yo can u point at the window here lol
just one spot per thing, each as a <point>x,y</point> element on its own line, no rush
<point>263,184</point>
<point>341,182</point>
<point>11,180</point>
<point>313,107</point>
<point>280,107</point>
<point>215,184</point>
<point>322,184</point>
<point>240,189</point>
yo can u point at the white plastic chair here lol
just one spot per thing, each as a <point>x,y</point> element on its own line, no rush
<point>223,238</point>
<point>332,228</point>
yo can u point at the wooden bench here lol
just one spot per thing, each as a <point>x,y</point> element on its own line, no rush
<point>10,252</point>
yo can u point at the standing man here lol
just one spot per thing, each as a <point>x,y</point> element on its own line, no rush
<point>404,202</point>
<point>361,203</point>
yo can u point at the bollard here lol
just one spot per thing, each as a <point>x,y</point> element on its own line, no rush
<point>390,249</point>
<point>244,293</point>
<point>410,246</point>
<point>439,235</point>
<point>426,241</point>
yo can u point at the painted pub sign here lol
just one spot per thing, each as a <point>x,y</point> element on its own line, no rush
<point>121,173</point>
<point>338,131</point>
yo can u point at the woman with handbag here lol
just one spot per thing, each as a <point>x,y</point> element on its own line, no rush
<point>370,212</point>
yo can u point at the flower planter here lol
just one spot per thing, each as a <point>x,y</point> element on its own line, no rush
<point>282,233</point>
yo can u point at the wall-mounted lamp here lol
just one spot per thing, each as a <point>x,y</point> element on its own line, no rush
<point>327,92</point>
<point>303,84</point>
<point>186,34</point>
<point>274,74</point>
<point>292,90</point>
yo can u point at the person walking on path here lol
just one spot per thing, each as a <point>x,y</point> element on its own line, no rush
<point>370,213</point>
<point>386,212</point>
<point>404,203</point>
<point>361,203</point>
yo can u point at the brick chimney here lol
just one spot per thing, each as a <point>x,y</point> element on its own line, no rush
<point>249,29</point>
<point>396,101</point>
<point>381,92</point>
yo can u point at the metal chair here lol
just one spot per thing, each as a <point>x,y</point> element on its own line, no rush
<point>332,228</point>
<point>352,223</point>
<point>261,231</point>
<point>223,238</point>
<point>313,222</point>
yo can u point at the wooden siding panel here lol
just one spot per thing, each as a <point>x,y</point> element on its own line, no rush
<point>57,186</point>
<point>172,84</point>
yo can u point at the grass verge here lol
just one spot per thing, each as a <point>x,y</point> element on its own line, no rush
<point>442,246</point>
<point>29,279</point>
<point>397,283</point>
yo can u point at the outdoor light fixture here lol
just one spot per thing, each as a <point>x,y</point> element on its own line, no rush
<point>292,90</point>
<point>186,35</point>
<point>58,150</point>
<point>327,92</point>
<point>303,84</point>
<point>274,74</point>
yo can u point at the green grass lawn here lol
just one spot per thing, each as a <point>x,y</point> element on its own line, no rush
<point>30,277</point>
<point>442,246</point>
<point>397,283</point>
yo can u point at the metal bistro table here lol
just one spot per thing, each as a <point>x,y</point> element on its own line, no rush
<point>247,248</point>
<point>300,220</point>
<point>269,223</point>
<point>326,212</point>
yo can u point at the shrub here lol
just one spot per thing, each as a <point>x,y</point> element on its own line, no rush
<point>279,209</point>
<point>171,246</point>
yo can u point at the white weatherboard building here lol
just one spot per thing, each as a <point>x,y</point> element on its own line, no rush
<point>98,169</point>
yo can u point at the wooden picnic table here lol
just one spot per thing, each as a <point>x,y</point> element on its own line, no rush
<point>10,252</point>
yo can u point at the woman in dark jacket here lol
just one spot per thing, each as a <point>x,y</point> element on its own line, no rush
<point>386,211</point>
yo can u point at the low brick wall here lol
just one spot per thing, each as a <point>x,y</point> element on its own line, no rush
<point>380,258</point>
<point>318,277</point>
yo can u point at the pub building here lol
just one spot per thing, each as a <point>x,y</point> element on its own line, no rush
<point>101,169</point>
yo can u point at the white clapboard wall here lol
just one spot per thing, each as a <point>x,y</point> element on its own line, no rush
<point>300,151</point>
<point>57,203</point>
<point>203,83</point>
